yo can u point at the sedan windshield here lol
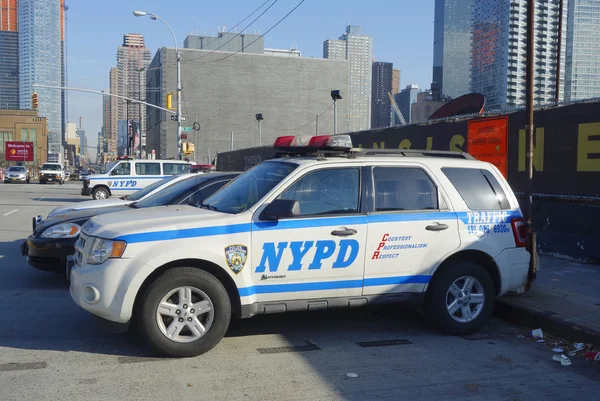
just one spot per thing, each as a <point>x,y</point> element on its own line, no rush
<point>16,168</point>
<point>169,194</point>
<point>250,187</point>
<point>143,192</point>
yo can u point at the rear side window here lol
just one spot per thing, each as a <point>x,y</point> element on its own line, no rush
<point>403,188</point>
<point>479,188</point>
<point>147,168</point>
<point>175,168</point>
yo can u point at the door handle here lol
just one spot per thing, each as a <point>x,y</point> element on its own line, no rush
<point>437,227</point>
<point>346,232</point>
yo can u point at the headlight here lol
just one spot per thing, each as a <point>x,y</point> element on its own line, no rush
<point>65,230</point>
<point>102,249</point>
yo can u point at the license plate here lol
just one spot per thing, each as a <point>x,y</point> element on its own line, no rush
<point>49,179</point>
<point>15,179</point>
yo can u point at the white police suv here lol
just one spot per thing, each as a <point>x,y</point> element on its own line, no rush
<point>319,226</point>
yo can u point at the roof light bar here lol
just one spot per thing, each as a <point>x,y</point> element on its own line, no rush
<point>323,142</point>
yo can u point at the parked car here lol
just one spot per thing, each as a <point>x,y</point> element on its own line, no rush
<point>67,175</point>
<point>121,201</point>
<point>124,177</point>
<point>326,226</point>
<point>16,174</point>
<point>83,175</point>
<point>53,240</point>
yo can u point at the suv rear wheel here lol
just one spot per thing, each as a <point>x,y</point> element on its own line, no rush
<point>184,313</point>
<point>461,299</point>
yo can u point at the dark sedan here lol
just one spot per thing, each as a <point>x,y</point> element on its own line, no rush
<point>53,239</point>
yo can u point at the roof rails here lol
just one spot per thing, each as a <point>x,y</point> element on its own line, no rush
<point>413,153</point>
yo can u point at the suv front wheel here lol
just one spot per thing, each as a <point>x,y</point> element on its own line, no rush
<point>461,298</point>
<point>184,313</point>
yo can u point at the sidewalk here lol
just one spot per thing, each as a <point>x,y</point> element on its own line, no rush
<point>565,300</point>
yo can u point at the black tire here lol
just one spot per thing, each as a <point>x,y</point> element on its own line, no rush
<point>435,305</point>
<point>96,191</point>
<point>145,313</point>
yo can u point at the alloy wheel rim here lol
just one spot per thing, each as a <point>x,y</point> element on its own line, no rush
<point>465,299</point>
<point>185,314</point>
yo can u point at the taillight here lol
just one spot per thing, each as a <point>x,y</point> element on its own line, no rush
<point>519,228</point>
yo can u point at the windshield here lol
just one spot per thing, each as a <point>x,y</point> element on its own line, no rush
<point>108,166</point>
<point>16,168</point>
<point>55,167</point>
<point>143,192</point>
<point>171,193</point>
<point>250,187</point>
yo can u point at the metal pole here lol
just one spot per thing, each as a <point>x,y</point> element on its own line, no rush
<point>140,96</point>
<point>334,117</point>
<point>231,143</point>
<point>127,145</point>
<point>559,51</point>
<point>531,239</point>
<point>259,134</point>
<point>178,104</point>
<point>317,126</point>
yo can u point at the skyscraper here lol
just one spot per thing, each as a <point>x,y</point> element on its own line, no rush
<point>395,81</point>
<point>358,50</point>
<point>9,55</point>
<point>583,50</point>
<point>41,62</point>
<point>133,59</point>
<point>500,49</point>
<point>405,100</point>
<point>111,113</point>
<point>452,47</point>
<point>380,102</point>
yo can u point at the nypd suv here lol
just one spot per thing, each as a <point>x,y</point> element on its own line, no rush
<point>320,226</point>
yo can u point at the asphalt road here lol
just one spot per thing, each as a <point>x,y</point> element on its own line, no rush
<point>52,350</point>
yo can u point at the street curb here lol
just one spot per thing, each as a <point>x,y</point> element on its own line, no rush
<point>551,322</point>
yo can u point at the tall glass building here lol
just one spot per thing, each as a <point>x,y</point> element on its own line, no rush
<point>499,51</point>
<point>358,50</point>
<point>9,55</point>
<point>583,50</point>
<point>41,62</point>
<point>451,48</point>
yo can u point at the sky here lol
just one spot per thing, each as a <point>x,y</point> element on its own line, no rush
<point>402,32</point>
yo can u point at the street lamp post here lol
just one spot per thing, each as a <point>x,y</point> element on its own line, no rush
<point>139,13</point>
<point>335,95</point>
<point>259,118</point>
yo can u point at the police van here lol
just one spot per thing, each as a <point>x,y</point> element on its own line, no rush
<point>125,176</point>
<point>321,225</point>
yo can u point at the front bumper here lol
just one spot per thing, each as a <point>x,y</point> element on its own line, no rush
<point>48,254</point>
<point>108,290</point>
<point>86,190</point>
<point>15,179</point>
<point>50,178</point>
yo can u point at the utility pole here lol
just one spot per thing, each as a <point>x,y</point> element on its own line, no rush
<point>317,126</point>
<point>178,100</point>
<point>231,142</point>
<point>140,70</point>
<point>531,238</point>
<point>558,51</point>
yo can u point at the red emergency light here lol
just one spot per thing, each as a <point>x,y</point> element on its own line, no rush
<point>322,142</point>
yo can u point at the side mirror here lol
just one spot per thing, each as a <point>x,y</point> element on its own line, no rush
<point>281,208</point>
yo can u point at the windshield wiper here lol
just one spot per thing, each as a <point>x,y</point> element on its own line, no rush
<point>207,206</point>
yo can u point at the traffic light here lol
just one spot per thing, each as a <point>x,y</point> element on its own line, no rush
<point>34,100</point>
<point>170,101</point>
<point>190,148</point>
<point>187,148</point>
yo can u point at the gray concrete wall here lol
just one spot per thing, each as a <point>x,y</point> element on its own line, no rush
<point>224,96</point>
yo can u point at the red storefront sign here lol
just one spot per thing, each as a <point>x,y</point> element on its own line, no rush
<point>18,151</point>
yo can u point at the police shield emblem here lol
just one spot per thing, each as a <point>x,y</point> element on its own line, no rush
<point>236,257</point>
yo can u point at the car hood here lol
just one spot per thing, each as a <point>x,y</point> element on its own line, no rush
<point>133,224</point>
<point>79,216</point>
<point>93,204</point>
<point>50,171</point>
